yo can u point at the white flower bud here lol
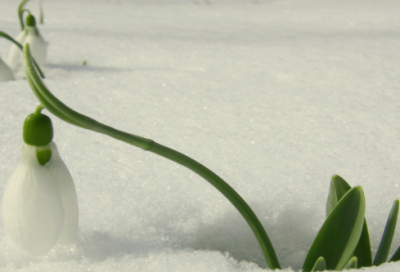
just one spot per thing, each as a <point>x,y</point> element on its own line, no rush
<point>39,203</point>
<point>37,44</point>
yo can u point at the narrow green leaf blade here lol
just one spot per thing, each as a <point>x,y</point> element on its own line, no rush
<point>320,265</point>
<point>396,256</point>
<point>339,235</point>
<point>339,187</point>
<point>352,263</point>
<point>387,237</point>
<point>363,250</point>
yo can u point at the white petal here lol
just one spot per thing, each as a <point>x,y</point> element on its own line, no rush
<point>68,196</point>
<point>32,210</point>
<point>5,72</point>
<point>37,44</point>
<point>15,57</point>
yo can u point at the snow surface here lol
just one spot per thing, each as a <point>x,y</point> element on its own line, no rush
<point>274,97</point>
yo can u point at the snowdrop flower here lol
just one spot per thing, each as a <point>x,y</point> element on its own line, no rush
<point>5,72</point>
<point>38,45</point>
<point>39,203</point>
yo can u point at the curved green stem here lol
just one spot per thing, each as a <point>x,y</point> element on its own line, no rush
<point>62,111</point>
<point>8,37</point>
<point>21,13</point>
<point>39,109</point>
<point>48,106</point>
<point>236,200</point>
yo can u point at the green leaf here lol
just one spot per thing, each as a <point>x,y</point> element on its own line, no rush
<point>363,250</point>
<point>338,189</point>
<point>352,263</point>
<point>396,256</point>
<point>339,235</point>
<point>387,237</point>
<point>320,265</point>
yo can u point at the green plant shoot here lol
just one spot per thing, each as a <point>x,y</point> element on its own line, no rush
<point>339,235</point>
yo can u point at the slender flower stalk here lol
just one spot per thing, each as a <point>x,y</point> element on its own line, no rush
<point>48,100</point>
<point>21,11</point>
<point>41,12</point>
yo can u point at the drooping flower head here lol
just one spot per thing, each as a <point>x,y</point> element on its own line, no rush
<point>38,45</point>
<point>39,202</point>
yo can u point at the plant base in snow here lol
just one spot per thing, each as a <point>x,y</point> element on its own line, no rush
<point>343,240</point>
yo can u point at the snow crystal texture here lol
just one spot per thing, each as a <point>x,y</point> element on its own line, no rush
<point>274,96</point>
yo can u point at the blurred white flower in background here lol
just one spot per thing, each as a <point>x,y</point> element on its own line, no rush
<point>38,45</point>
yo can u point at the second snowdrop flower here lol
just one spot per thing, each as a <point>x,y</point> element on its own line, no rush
<point>38,45</point>
<point>39,204</point>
